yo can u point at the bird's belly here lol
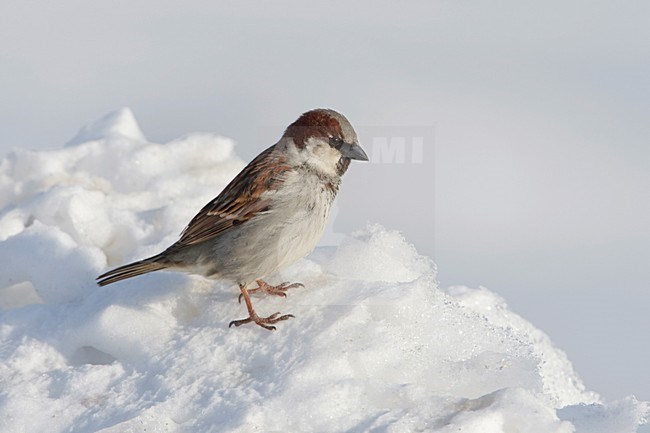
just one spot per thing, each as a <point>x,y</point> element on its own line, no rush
<point>271,242</point>
<point>292,238</point>
<point>299,239</point>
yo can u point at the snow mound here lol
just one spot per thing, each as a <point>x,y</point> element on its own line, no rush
<point>375,346</point>
<point>117,124</point>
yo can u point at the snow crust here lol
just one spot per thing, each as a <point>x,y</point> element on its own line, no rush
<point>376,345</point>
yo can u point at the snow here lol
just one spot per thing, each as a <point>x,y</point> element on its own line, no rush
<point>375,345</point>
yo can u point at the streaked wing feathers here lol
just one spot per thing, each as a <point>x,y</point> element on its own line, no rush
<point>240,201</point>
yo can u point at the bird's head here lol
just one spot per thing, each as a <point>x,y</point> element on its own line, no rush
<point>324,141</point>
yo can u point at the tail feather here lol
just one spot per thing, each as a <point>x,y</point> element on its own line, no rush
<point>131,270</point>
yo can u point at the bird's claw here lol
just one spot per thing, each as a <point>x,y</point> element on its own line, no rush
<point>279,290</point>
<point>264,322</point>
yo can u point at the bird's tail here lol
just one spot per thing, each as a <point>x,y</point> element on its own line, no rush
<point>132,270</point>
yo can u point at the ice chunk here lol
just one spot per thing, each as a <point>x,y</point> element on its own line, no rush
<point>364,257</point>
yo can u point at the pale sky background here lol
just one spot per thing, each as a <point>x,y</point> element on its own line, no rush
<point>534,173</point>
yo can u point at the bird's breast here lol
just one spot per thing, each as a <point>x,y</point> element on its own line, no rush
<point>286,232</point>
<point>300,211</point>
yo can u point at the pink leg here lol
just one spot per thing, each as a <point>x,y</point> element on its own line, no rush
<point>264,322</point>
<point>279,290</point>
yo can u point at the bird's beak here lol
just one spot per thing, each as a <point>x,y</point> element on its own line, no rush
<point>353,151</point>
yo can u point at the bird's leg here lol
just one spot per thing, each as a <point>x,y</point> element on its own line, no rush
<point>279,290</point>
<point>264,322</point>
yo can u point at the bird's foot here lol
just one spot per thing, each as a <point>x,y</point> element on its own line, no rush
<point>279,290</point>
<point>264,322</point>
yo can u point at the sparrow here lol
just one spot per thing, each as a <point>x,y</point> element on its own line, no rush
<point>269,216</point>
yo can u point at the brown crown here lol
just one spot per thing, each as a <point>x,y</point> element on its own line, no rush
<point>315,123</point>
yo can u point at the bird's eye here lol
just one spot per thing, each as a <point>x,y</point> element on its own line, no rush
<point>336,142</point>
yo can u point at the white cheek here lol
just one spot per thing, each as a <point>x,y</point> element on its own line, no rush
<point>324,158</point>
<point>328,154</point>
<point>316,154</point>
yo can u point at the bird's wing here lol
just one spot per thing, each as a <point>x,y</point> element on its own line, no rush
<point>245,197</point>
